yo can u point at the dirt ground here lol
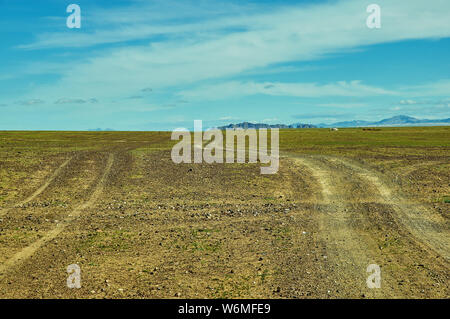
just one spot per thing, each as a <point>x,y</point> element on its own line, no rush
<point>140,226</point>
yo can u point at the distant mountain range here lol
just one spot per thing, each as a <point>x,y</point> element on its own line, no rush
<point>246,125</point>
<point>400,120</point>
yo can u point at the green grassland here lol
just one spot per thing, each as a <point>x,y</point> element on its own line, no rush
<point>290,139</point>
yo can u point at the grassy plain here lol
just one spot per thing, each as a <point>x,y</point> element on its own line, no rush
<point>140,226</point>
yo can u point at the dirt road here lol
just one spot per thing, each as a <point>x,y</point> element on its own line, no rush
<point>42,188</point>
<point>427,226</point>
<point>353,236</point>
<point>28,251</point>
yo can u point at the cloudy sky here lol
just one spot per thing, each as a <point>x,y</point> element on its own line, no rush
<point>159,65</point>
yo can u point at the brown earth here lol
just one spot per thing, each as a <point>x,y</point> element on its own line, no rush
<point>140,226</point>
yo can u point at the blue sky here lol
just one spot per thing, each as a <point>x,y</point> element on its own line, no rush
<point>159,65</point>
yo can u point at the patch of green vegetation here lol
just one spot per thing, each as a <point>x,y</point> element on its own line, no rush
<point>441,168</point>
<point>203,242</point>
<point>117,240</point>
<point>201,232</point>
<point>137,176</point>
<point>358,138</point>
<point>232,288</point>
<point>144,199</point>
<point>282,233</point>
<point>389,243</point>
<point>446,199</point>
<point>59,203</point>
<point>142,151</point>
<point>21,236</point>
<point>62,142</point>
<point>202,246</point>
<point>264,275</point>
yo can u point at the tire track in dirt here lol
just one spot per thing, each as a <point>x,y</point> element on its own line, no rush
<point>348,253</point>
<point>40,189</point>
<point>350,245</point>
<point>28,251</point>
<point>427,227</point>
<point>414,167</point>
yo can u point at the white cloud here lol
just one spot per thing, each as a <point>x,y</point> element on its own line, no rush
<point>343,105</point>
<point>408,102</point>
<point>143,20</point>
<point>271,119</point>
<point>70,101</point>
<point>310,90</point>
<point>230,43</point>
<point>75,101</point>
<point>30,102</point>
<point>354,88</point>
<point>438,88</point>
<point>227,118</point>
<point>424,90</point>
